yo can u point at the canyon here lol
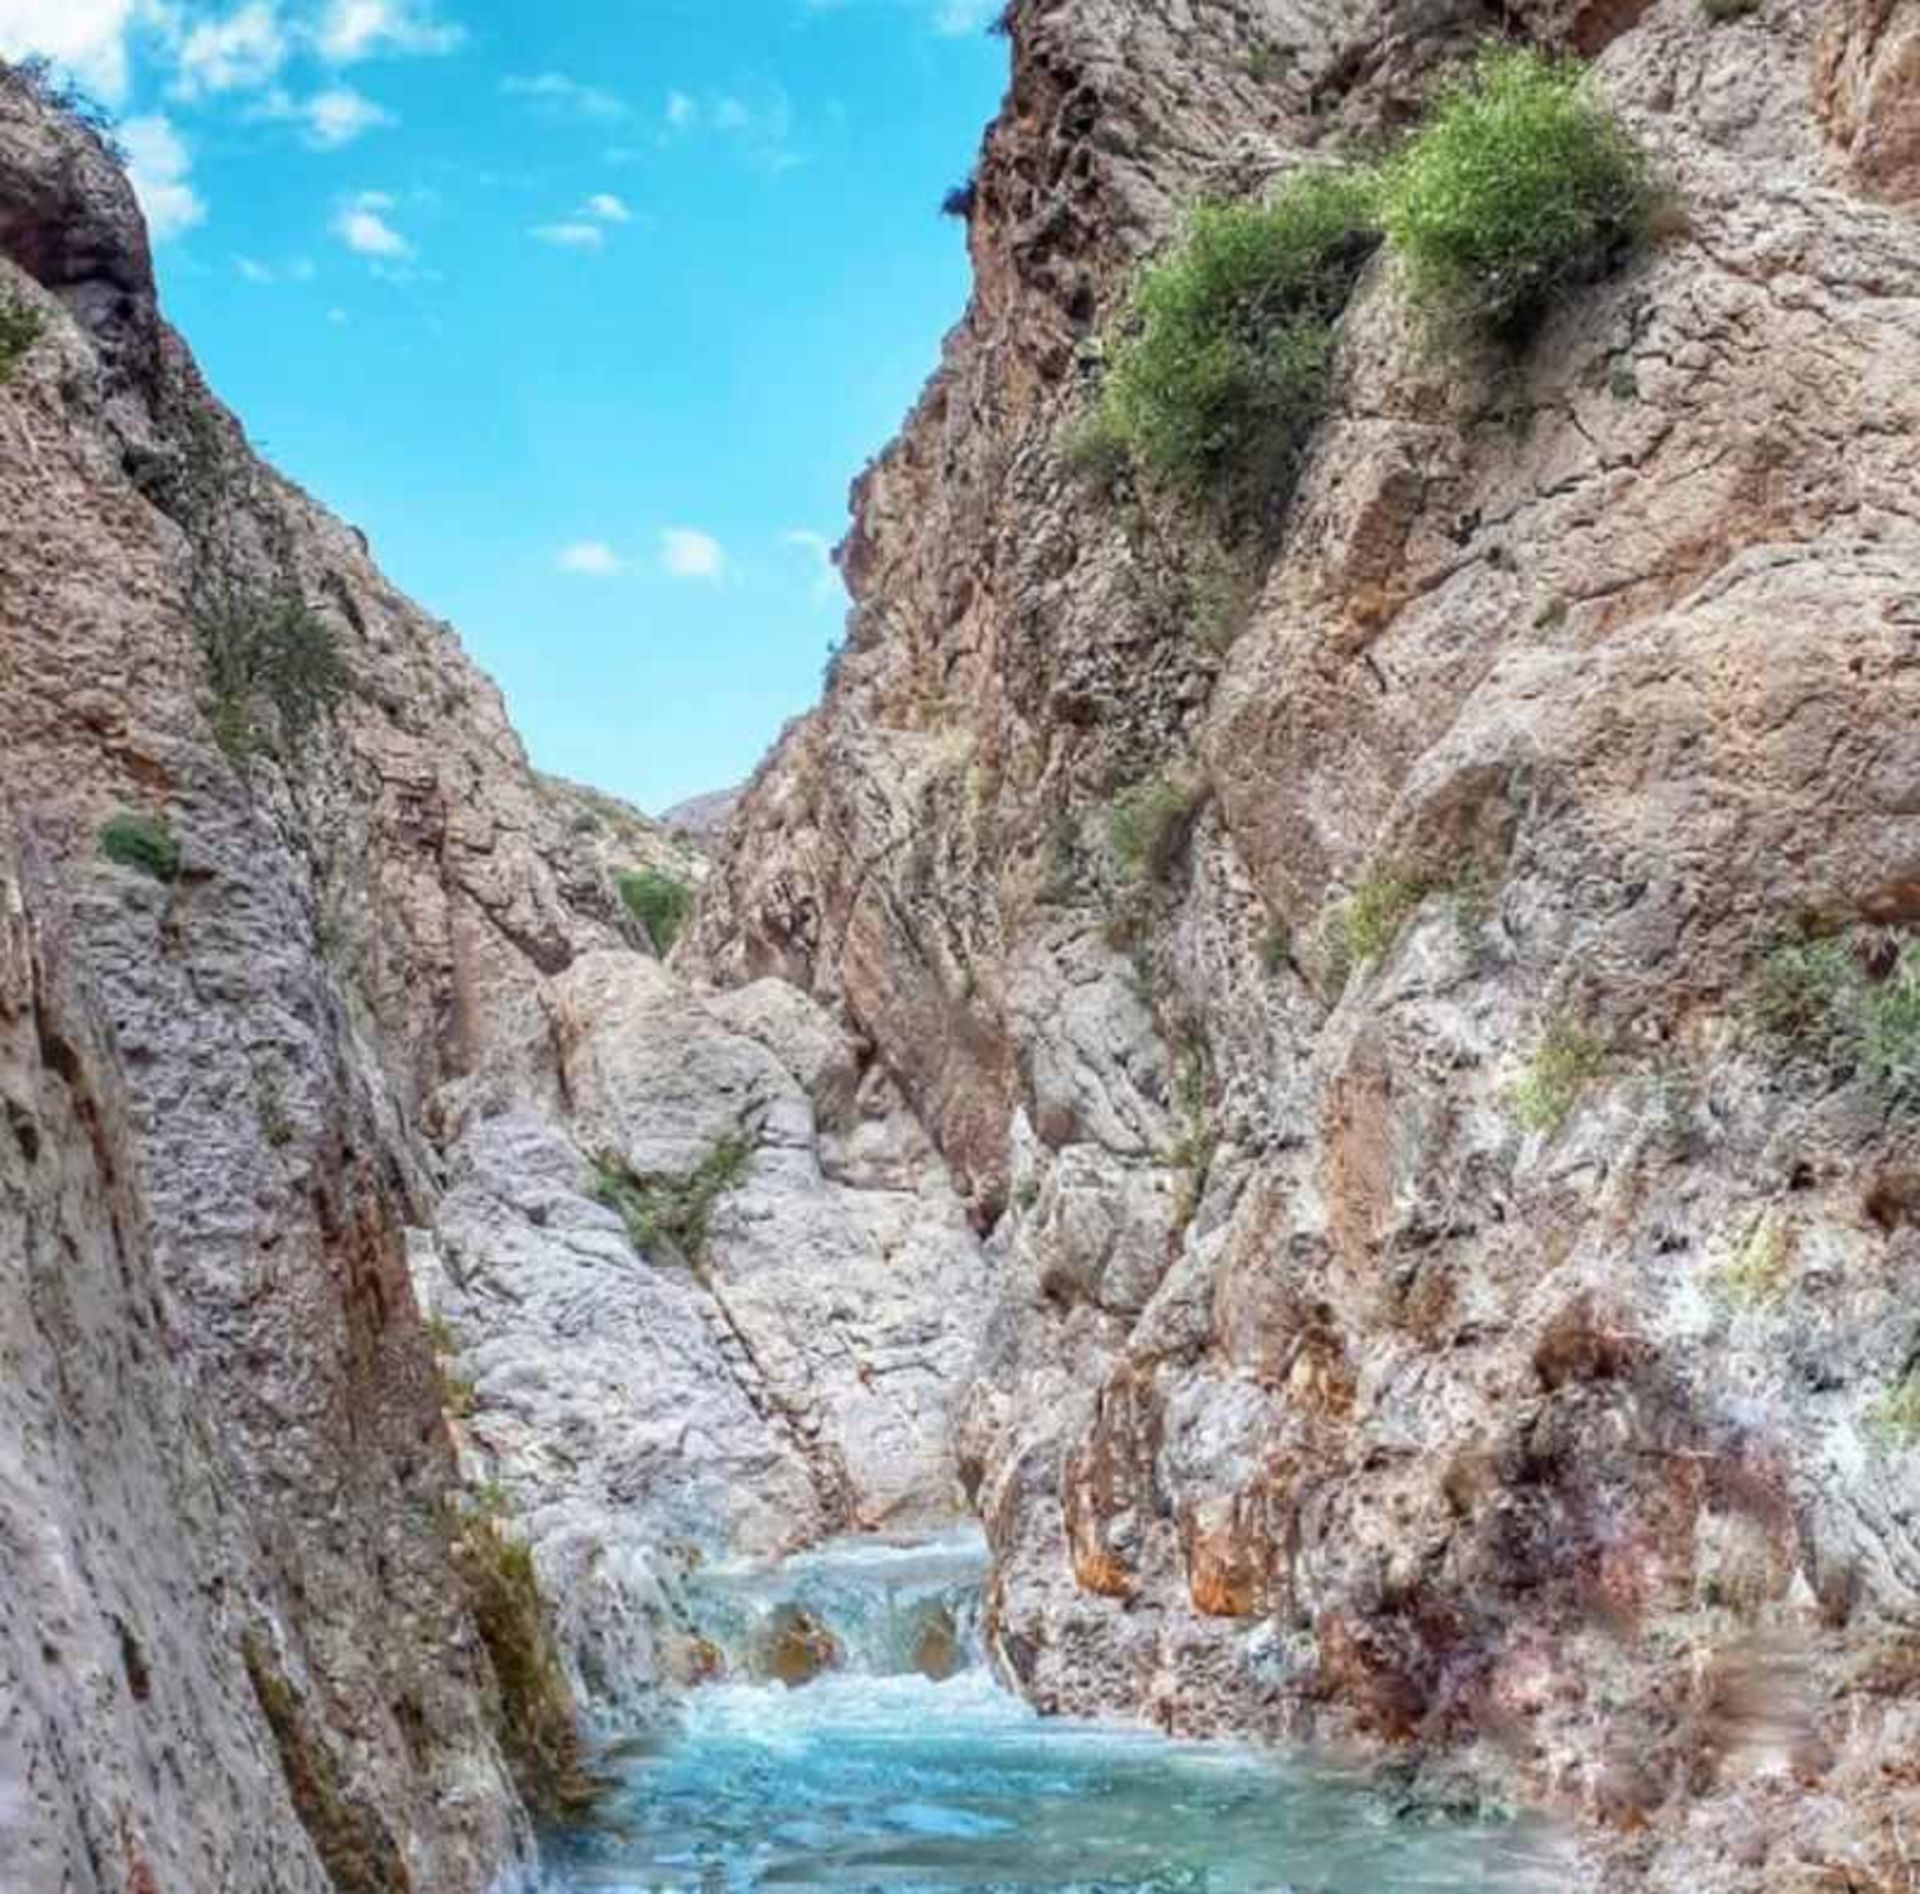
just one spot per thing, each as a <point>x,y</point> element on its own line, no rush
<point>1398,1264</point>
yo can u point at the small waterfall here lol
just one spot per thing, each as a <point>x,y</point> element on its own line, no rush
<point>847,1734</point>
<point>867,1607</point>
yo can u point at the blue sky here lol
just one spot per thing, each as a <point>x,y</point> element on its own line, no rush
<point>586,312</point>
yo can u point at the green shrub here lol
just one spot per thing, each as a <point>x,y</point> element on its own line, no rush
<point>1061,865</point>
<point>1895,1417</point>
<point>533,1715</point>
<point>1150,825</point>
<point>1365,926</point>
<point>144,843</point>
<point>1721,11</point>
<point>674,1213</point>
<point>1804,992</point>
<point>272,665</point>
<point>1095,450</point>
<point>1890,1030</point>
<point>1268,61</point>
<point>1222,363</point>
<point>1756,1273</point>
<point>20,328</point>
<point>1564,1062</point>
<point>1276,946</point>
<point>1815,999</point>
<point>1198,1145</point>
<point>660,905</point>
<point>1521,186</point>
<point>1222,597</point>
<point>39,78</point>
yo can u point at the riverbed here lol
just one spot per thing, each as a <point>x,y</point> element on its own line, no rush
<point>874,1774</point>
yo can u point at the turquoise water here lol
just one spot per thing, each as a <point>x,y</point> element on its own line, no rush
<point>886,1779</point>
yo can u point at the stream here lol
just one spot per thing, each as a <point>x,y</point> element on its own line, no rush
<point>902,1765</point>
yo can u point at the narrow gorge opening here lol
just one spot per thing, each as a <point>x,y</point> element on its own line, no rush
<point>1234,1211</point>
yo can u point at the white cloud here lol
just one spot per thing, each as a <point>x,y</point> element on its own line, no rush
<point>564,97</point>
<point>352,30</point>
<point>339,115</point>
<point>818,549</point>
<point>955,17</point>
<point>569,236</point>
<point>587,228</point>
<point>235,54</point>
<point>330,119</point>
<point>686,553</point>
<point>590,559</point>
<point>361,224</point>
<point>761,123</point>
<point>158,164</point>
<point>87,37</point>
<point>251,270</point>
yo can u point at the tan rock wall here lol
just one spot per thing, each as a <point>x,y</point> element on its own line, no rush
<point>1448,1418</point>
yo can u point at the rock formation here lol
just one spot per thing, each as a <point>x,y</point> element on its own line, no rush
<point>1443,1304</point>
<point>310,989</point>
<point>1423,1254</point>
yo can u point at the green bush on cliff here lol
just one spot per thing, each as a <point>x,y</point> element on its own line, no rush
<point>142,842</point>
<point>1366,925</point>
<point>1150,825</point>
<point>1847,1009</point>
<point>20,328</point>
<point>272,665</point>
<point>674,1213</point>
<point>1225,350</point>
<point>1890,1031</point>
<point>1561,1066</point>
<point>659,904</point>
<point>533,1717</point>
<point>1521,186</point>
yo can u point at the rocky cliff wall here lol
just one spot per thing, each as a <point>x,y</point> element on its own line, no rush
<point>1442,1306</point>
<point>312,992</point>
<point>288,952</point>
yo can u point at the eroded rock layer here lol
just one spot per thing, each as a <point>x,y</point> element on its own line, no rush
<point>1441,1306</point>
<point>311,991</point>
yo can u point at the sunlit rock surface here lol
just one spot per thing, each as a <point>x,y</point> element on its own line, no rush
<point>1344,1380</point>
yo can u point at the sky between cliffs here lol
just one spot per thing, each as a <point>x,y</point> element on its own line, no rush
<point>586,311</point>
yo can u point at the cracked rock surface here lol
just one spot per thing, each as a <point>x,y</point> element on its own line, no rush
<point>1339,1384</point>
<point>360,1010</point>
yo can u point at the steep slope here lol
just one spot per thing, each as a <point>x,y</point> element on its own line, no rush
<point>1446,1305</point>
<point>245,962</point>
<point>317,1003</point>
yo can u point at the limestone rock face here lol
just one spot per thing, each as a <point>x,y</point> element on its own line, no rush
<point>1492,1342</point>
<point>317,1003</point>
<point>651,1401</point>
<point>239,1652</point>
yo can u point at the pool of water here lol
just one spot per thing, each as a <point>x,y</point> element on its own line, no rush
<point>889,1779</point>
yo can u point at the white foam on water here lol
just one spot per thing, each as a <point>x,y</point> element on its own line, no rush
<point>876,1777</point>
